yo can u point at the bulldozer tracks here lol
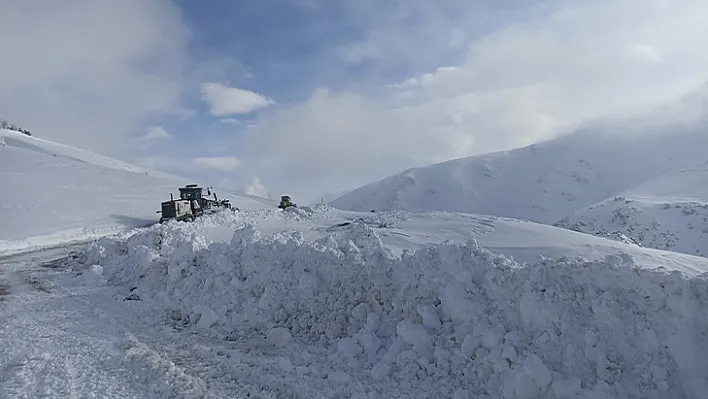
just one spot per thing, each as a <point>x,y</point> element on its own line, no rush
<point>4,291</point>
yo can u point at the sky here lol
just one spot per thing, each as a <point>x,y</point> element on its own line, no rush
<point>314,97</point>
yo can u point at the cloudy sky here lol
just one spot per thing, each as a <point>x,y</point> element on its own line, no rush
<point>307,97</point>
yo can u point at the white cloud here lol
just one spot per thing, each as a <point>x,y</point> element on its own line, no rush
<point>155,133</point>
<point>644,53</point>
<point>225,100</point>
<point>516,85</point>
<point>230,121</point>
<point>224,164</point>
<point>182,113</point>
<point>89,73</point>
<point>257,188</point>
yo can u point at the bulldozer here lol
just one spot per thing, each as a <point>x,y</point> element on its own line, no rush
<point>286,202</point>
<point>191,204</point>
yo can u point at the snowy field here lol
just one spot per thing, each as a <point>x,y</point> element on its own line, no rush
<point>328,304</point>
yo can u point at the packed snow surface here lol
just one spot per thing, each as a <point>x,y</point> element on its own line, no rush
<point>54,194</point>
<point>543,182</point>
<point>669,212</point>
<point>316,303</point>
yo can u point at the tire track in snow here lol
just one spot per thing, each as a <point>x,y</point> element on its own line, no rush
<point>161,374</point>
<point>4,291</point>
<point>55,346</point>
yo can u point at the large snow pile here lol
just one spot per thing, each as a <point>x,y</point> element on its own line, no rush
<point>54,194</point>
<point>543,182</point>
<point>343,316</point>
<point>670,212</point>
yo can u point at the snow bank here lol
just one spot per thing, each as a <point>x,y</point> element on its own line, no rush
<point>444,321</point>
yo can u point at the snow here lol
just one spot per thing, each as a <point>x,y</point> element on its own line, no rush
<point>543,182</point>
<point>15,139</point>
<point>523,240</point>
<point>669,212</point>
<point>333,310</point>
<point>317,302</point>
<point>685,185</point>
<point>56,194</point>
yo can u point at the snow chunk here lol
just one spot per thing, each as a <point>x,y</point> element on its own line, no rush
<point>416,335</point>
<point>566,389</point>
<point>380,371</point>
<point>339,377</point>
<point>455,305</point>
<point>279,337</point>
<point>207,317</point>
<point>529,381</point>
<point>94,276</point>
<point>430,317</point>
<point>349,347</point>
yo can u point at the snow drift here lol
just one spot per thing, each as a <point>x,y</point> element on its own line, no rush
<point>55,194</point>
<point>344,314</point>
<point>543,182</point>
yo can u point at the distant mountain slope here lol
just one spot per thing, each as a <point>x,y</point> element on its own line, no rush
<point>54,194</point>
<point>669,212</point>
<point>543,182</point>
<point>684,185</point>
<point>19,140</point>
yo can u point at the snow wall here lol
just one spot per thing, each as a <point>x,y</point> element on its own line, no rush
<point>447,321</point>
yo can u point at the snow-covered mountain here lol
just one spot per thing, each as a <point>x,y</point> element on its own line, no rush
<point>669,212</point>
<point>15,139</point>
<point>54,193</point>
<point>543,182</point>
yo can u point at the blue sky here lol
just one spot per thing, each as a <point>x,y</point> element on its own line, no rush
<point>285,50</point>
<point>309,97</point>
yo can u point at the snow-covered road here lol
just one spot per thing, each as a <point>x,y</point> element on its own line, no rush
<point>67,342</point>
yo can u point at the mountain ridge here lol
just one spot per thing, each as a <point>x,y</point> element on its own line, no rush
<point>542,182</point>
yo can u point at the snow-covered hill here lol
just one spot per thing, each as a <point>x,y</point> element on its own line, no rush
<point>669,212</point>
<point>543,182</point>
<point>54,194</point>
<point>324,303</point>
<point>18,140</point>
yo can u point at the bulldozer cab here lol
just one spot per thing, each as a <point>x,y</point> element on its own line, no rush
<point>285,202</point>
<point>190,192</point>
